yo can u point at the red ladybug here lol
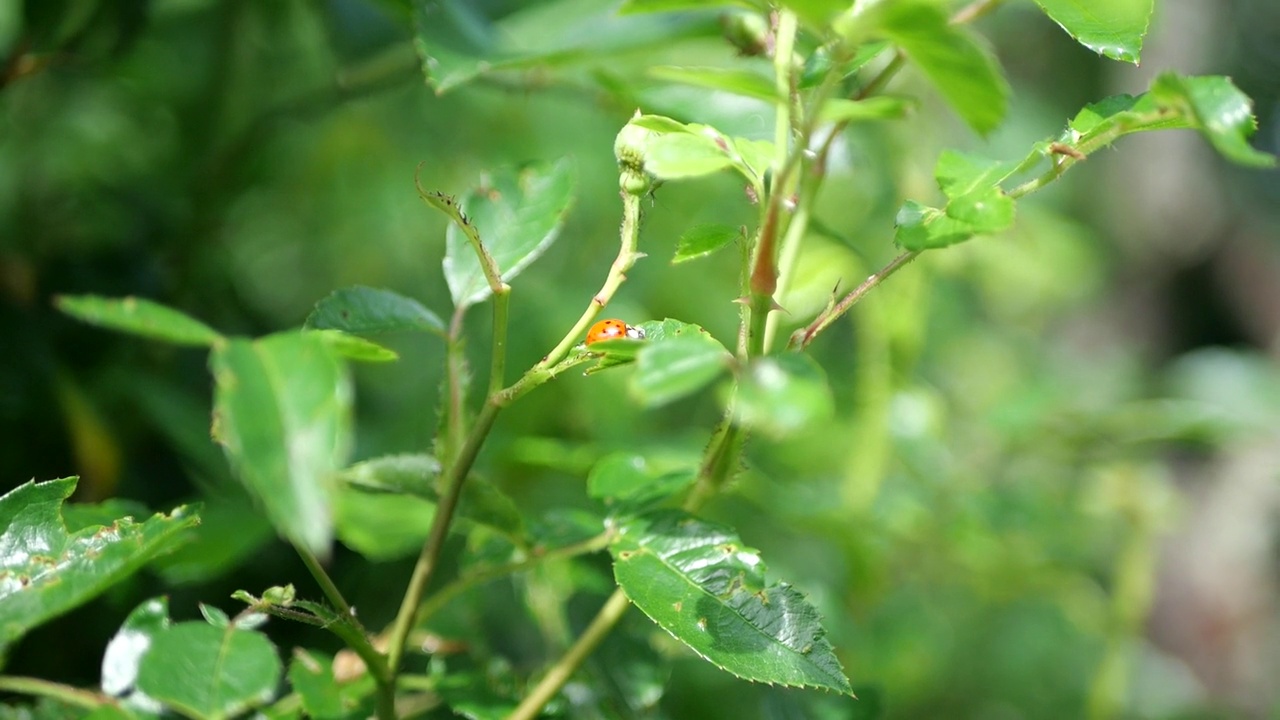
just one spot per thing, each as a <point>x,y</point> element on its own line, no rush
<point>613,330</point>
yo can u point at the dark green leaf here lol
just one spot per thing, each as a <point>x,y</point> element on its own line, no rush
<point>44,571</point>
<point>701,584</point>
<point>782,394</point>
<point>672,367</point>
<point>230,532</point>
<point>632,480</point>
<point>516,215</point>
<point>140,317</point>
<point>360,310</point>
<point>737,82</point>
<point>1114,28</point>
<point>283,415</point>
<point>479,696</point>
<point>702,240</point>
<point>207,672</point>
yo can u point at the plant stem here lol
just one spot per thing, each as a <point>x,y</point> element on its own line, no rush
<point>57,691</point>
<point>453,423</point>
<point>802,337</point>
<point>430,556</point>
<point>764,273</point>
<point>353,634</point>
<point>604,621</point>
<point>327,586</point>
<point>498,369</point>
<point>627,256</point>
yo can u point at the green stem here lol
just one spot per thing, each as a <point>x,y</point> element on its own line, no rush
<point>326,583</point>
<point>764,273</point>
<point>802,337</point>
<point>36,687</point>
<point>604,621</point>
<point>353,634</point>
<point>627,256</point>
<point>453,424</point>
<point>430,556</point>
<point>497,371</point>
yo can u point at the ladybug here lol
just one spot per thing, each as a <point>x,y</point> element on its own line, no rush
<point>613,330</point>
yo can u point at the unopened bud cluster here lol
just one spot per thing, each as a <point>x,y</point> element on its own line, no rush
<point>629,149</point>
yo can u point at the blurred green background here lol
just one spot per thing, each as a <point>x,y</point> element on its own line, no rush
<point>1052,486</point>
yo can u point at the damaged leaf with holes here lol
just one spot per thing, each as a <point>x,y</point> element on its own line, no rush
<point>46,570</point>
<point>699,582</point>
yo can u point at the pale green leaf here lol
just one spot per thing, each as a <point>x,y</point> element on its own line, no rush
<point>282,408</point>
<point>139,317</point>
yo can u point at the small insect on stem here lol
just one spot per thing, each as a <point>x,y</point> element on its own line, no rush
<point>613,330</point>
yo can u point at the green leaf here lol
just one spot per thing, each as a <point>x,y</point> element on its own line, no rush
<point>382,526</point>
<point>701,584</point>
<point>952,57</point>
<point>1210,104</point>
<point>362,310</point>
<point>516,215</point>
<point>408,473</point>
<point>633,481</point>
<point>1114,28</point>
<point>361,528</point>
<point>737,82</point>
<point>311,676</point>
<point>323,696</point>
<point>282,409</point>
<point>1218,109</point>
<point>782,394</point>
<point>46,571</point>
<point>124,653</point>
<point>214,616</point>
<point>457,43</point>
<point>685,155</point>
<point>671,367</point>
<point>976,204</point>
<point>702,240</point>
<point>207,672</point>
<point>879,107</point>
<point>140,317</point>
<point>354,347</point>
